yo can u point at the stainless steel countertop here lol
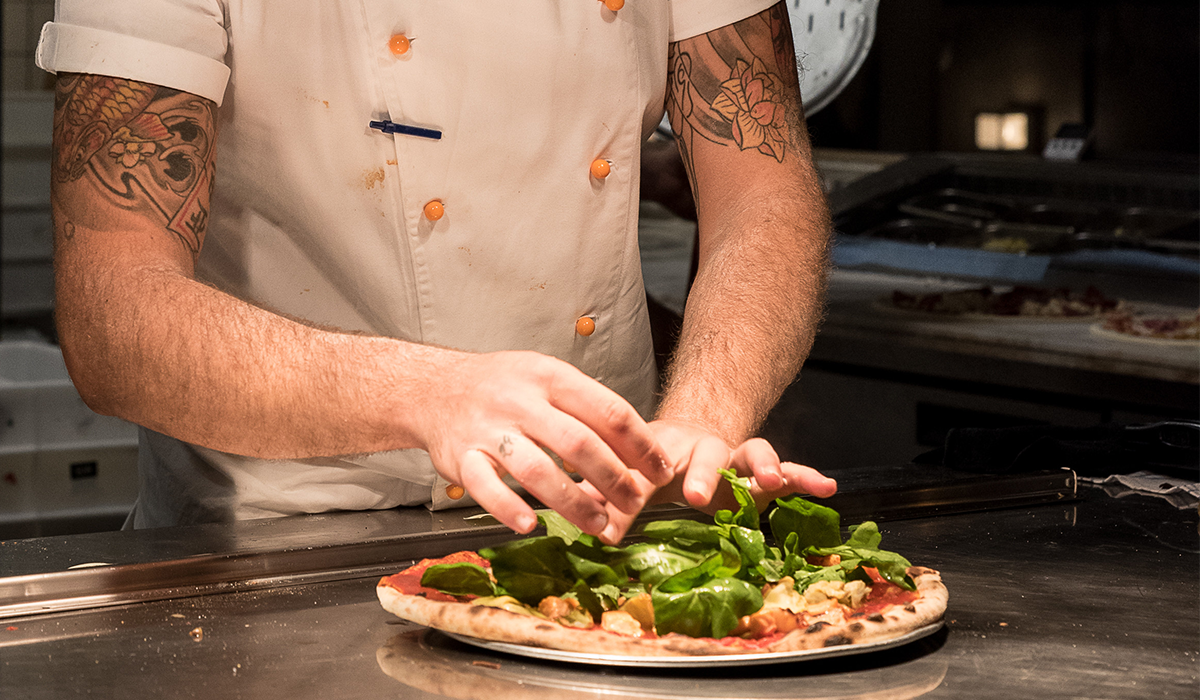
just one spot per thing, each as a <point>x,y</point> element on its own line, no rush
<point>1098,598</point>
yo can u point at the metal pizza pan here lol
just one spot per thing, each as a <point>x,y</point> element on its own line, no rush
<point>714,661</point>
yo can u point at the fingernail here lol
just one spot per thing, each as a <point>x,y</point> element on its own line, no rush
<point>525,523</point>
<point>598,522</point>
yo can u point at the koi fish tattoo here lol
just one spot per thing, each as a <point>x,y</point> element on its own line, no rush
<point>144,147</point>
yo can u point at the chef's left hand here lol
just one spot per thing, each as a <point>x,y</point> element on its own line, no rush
<point>697,455</point>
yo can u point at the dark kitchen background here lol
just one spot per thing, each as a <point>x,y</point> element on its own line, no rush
<point>1131,70</point>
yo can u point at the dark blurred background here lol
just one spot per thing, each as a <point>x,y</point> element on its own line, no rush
<point>1130,70</point>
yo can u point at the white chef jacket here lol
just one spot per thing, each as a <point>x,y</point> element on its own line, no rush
<point>321,217</point>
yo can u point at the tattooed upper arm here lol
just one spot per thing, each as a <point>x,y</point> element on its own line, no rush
<point>737,87</point>
<point>138,148</point>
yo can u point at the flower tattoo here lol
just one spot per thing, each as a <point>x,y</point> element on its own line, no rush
<point>749,100</point>
<point>737,87</point>
<point>130,153</point>
<point>138,140</point>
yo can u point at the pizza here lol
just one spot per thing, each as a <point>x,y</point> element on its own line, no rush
<point>1160,327</point>
<point>685,589</point>
<point>1021,301</point>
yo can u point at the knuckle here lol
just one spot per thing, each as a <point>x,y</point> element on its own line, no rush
<point>625,485</point>
<point>522,470</point>
<point>574,442</point>
<point>617,415</point>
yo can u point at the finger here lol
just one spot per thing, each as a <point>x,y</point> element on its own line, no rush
<point>760,459</point>
<point>802,479</point>
<point>708,455</point>
<point>480,479</point>
<point>619,522</point>
<point>614,421</point>
<point>579,446</point>
<point>533,469</point>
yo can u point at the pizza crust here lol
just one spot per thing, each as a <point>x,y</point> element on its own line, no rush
<point>890,623</point>
<point>499,625</point>
<point>1099,330</point>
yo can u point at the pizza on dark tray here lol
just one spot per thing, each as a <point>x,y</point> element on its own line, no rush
<point>1018,302</point>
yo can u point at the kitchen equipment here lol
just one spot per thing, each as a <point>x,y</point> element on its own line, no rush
<point>832,40</point>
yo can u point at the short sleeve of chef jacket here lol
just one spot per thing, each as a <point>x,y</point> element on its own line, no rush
<point>181,44</point>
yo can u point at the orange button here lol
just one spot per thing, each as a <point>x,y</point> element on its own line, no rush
<point>455,492</point>
<point>614,5</point>
<point>399,44</point>
<point>585,326</point>
<point>601,168</point>
<point>434,210</point>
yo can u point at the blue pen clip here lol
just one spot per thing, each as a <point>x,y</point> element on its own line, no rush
<point>390,127</point>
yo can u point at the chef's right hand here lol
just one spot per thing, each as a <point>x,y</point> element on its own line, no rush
<point>493,413</point>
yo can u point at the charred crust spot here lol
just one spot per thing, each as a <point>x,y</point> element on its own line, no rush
<point>876,617</point>
<point>816,627</point>
<point>855,627</point>
<point>911,608</point>
<point>477,610</point>
<point>857,614</point>
<point>836,640</point>
<point>543,627</point>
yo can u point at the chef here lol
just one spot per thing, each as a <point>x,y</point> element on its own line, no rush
<point>414,275</point>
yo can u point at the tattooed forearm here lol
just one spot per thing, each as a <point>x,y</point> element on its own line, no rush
<point>143,147</point>
<point>737,86</point>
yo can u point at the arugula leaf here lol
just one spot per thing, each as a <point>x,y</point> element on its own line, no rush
<point>608,595</point>
<point>810,574</point>
<point>461,578</point>
<point>722,564</point>
<point>864,535</point>
<point>771,570</point>
<point>892,567</point>
<point>814,525</point>
<point>588,600</point>
<point>709,610</point>
<point>558,526</point>
<point>686,532</point>
<point>653,562</point>
<point>862,549</point>
<point>750,544</point>
<point>747,514</point>
<point>591,562</point>
<point>532,568</point>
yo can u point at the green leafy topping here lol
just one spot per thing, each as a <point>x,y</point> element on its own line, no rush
<point>587,598</point>
<point>708,610</point>
<point>813,525</point>
<point>462,578</point>
<point>702,577</point>
<point>652,562</point>
<point>532,568</point>
<point>747,514</point>
<point>558,526</point>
